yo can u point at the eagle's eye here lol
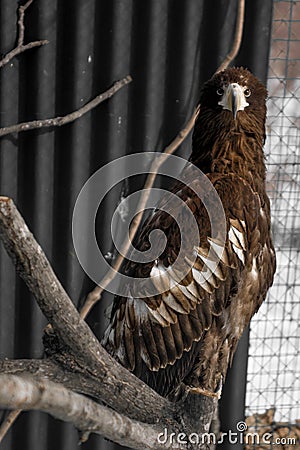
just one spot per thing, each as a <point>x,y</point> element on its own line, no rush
<point>220,91</point>
<point>247,92</point>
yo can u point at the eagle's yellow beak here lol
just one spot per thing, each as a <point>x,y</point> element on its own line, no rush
<point>234,99</point>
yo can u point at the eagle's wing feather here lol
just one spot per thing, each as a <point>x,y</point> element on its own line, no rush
<point>189,332</point>
<point>159,334</point>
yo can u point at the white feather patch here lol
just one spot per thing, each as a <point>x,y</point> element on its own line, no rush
<point>212,267</point>
<point>174,278</point>
<point>237,237</point>
<point>201,280</point>
<point>262,213</point>
<point>140,308</point>
<point>158,316</point>
<point>187,293</point>
<point>160,277</point>
<point>239,253</point>
<point>217,248</point>
<point>254,270</point>
<point>170,300</point>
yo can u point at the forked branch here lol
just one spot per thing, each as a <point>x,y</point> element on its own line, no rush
<point>21,47</point>
<point>54,121</point>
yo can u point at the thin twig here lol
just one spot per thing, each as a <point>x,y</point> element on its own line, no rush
<point>16,51</point>
<point>237,38</point>
<point>21,48</point>
<point>94,296</point>
<point>8,422</point>
<point>21,26</point>
<point>59,121</point>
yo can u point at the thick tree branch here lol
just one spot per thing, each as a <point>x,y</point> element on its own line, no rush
<point>83,383</point>
<point>191,415</point>
<point>26,393</point>
<point>59,121</point>
<point>115,382</point>
<point>95,295</point>
<point>21,47</point>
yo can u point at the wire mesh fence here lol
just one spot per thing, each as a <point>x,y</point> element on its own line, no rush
<point>273,389</point>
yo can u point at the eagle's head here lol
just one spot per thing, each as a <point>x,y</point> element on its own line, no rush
<point>235,91</point>
<point>231,118</point>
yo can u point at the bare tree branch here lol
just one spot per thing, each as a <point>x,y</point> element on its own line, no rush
<point>94,296</point>
<point>184,415</point>
<point>55,121</point>
<point>8,422</point>
<point>239,27</point>
<point>81,346</point>
<point>21,26</point>
<point>81,382</point>
<point>59,121</point>
<point>88,416</point>
<point>21,48</point>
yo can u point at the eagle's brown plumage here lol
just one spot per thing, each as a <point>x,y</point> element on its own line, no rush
<point>187,335</point>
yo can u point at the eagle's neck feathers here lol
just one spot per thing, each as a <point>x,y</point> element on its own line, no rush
<point>230,147</point>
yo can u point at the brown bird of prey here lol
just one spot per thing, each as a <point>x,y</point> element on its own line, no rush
<point>185,337</point>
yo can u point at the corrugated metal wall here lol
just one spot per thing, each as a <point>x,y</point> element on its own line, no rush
<point>169,47</point>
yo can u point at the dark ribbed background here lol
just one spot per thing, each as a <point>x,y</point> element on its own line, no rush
<point>169,48</point>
